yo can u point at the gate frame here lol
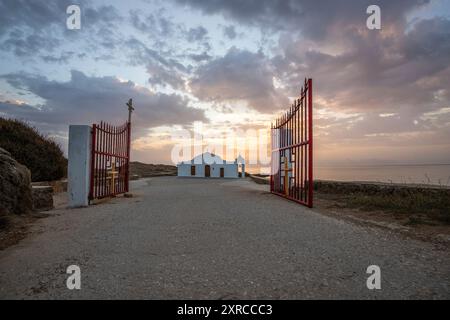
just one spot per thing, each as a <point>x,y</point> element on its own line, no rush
<point>108,142</point>
<point>291,120</point>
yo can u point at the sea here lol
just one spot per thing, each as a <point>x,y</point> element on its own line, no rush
<point>407,174</point>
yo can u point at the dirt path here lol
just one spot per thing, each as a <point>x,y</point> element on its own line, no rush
<point>218,239</point>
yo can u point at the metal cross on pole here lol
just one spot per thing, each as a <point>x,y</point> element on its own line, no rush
<point>127,176</point>
<point>130,109</point>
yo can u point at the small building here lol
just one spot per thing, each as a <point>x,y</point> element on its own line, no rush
<point>208,165</point>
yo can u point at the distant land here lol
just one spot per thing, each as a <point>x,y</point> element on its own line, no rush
<point>144,170</point>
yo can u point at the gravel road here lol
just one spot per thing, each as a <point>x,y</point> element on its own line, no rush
<point>215,239</point>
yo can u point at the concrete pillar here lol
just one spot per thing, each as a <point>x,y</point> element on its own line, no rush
<point>79,166</point>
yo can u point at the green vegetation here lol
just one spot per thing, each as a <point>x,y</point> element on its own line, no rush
<point>40,154</point>
<point>429,207</point>
<point>413,204</point>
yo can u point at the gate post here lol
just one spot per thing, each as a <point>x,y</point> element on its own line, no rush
<point>80,141</point>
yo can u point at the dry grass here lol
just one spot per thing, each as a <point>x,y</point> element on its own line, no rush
<point>419,208</point>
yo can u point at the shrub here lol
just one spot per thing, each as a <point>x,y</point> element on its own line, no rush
<point>40,154</point>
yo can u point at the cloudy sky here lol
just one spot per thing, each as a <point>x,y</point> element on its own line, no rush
<point>381,96</point>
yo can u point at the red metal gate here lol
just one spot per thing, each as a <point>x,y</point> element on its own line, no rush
<point>292,150</point>
<point>109,160</point>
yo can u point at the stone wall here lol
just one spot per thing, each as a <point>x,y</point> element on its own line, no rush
<point>42,197</point>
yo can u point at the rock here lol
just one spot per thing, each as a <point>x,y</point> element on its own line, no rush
<point>42,197</point>
<point>15,186</point>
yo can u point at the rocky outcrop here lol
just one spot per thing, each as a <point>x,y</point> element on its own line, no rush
<point>15,186</point>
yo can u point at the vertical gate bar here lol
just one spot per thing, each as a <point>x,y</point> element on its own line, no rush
<point>91,187</point>
<point>288,125</point>
<point>297,150</point>
<point>109,157</point>
<point>97,160</point>
<point>119,190</point>
<point>299,159</point>
<point>293,171</point>
<point>128,156</point>
<point>108,146</point>
<point>102,160</point>
<point>105,159</point>
<point>119,169</point>
<point>310,144</point>
<point>271,157</point>
<point>288,151</point>
<point>280,137</point>
<point>117,146</point>
<point>301,147</point>
<point>113,151</point>
<point>305,136</point>
<point>119,152</point>
<point>291,150</point>
<point>122,187</point>
<point>294,150</point>
<point>105,184</point>
<point>116,190</point>
<point>102,172</point>
<point>124,154</point>
<point>284,151</point>
<point>94,164</point>
<point>120,160</point>
<point>123,160</point>
<point>278,143</point>
<point>280,154</point>
<point>294,134</point>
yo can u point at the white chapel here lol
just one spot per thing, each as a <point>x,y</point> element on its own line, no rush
<point>207,165</point>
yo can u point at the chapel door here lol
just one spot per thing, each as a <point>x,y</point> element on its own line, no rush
<point>222,172</point>
<point>207,171</point>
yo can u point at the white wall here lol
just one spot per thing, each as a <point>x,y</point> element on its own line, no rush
<point>230,170</point>
<point>79,165</point>
<point>184,170</point>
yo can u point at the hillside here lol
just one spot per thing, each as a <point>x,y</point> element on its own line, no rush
<point>28,146</point>
<point>143,170</point>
